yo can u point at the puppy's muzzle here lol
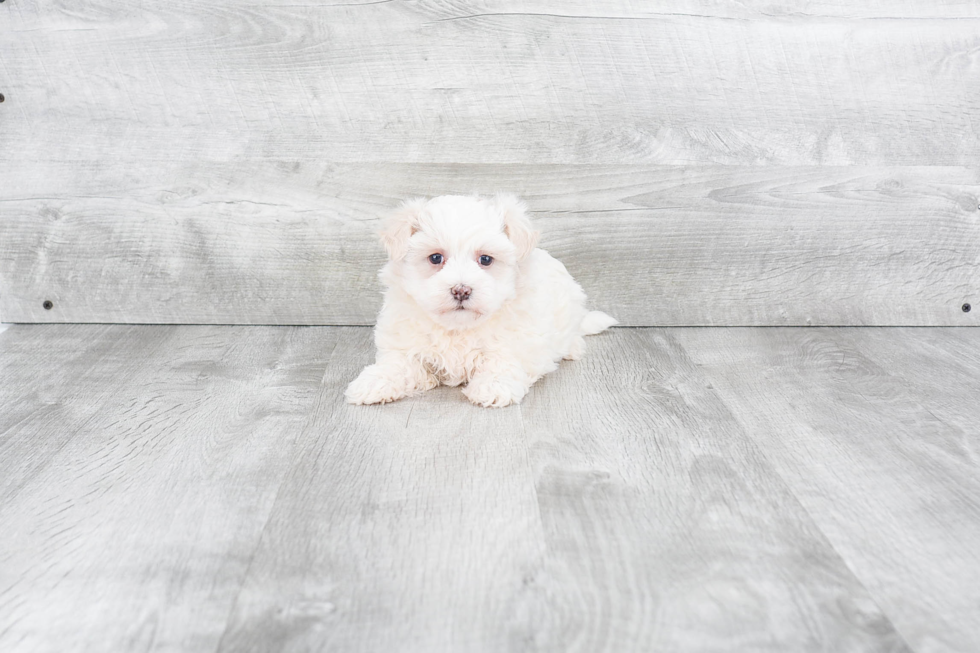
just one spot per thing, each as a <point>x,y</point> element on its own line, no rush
<point>460,292</point>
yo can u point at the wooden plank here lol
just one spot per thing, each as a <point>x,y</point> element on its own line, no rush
<point>39,412</point>
<point>293,243</point>
<point>619,508</point>
<point>938,368</point>
<point>880,465</point>
<point>215,478</point>
<point>137,535</point>
<point>666,527</point>
<point>547,82</point>
<point>407,527</point>
<point>747,10</point>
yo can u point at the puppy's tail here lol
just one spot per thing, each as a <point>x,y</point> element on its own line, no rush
<point>597,322</point>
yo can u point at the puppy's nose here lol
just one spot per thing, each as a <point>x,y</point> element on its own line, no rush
<point>461,293</point>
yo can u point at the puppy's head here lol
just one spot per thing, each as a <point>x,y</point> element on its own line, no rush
<point>458,257</point>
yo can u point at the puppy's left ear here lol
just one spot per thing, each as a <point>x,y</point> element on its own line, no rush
<point>398,227</point>
<point>517,223</point>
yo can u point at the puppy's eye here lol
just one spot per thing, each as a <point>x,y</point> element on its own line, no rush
<point>435,259</point>
<point>485,260</point>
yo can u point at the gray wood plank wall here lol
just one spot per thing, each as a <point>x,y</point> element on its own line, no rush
<point>690,162</point>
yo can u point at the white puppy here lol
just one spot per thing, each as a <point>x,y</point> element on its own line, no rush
<point>470,300</point>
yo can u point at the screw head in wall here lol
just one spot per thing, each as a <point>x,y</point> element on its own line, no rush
<point>966,308</point>
<point>2,98</point>
<point>48,304</point>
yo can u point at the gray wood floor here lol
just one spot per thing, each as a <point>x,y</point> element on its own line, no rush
<point>204,488</point>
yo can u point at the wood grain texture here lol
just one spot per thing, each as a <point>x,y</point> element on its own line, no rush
<point>939,370</point>
<point>137,532</point>
<point>875,432</point>
<point>580,521</point>
<point>659,509</point>
<point>293,243</point>
<point>410,527</point>
<point>223,498</point>
<point>34,398</point>
<point>224,162</point>
<point>617,82</point>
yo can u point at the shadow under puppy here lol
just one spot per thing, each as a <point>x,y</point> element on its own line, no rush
<point>470,300</point>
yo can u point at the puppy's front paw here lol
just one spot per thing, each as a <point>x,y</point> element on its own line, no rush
<point>372,386</point>
<point>496,393</point>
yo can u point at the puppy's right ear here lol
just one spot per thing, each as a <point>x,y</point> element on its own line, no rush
<point>517,224</point>
<point>398,227</point>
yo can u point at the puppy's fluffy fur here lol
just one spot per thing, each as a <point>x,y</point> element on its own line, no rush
<point>470,300</point>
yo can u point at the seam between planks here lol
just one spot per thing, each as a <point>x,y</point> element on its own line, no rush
<point>233,606</point>
<point>760,451</point>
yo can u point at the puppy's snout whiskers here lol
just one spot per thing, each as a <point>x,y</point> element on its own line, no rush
<point>461,293</point>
